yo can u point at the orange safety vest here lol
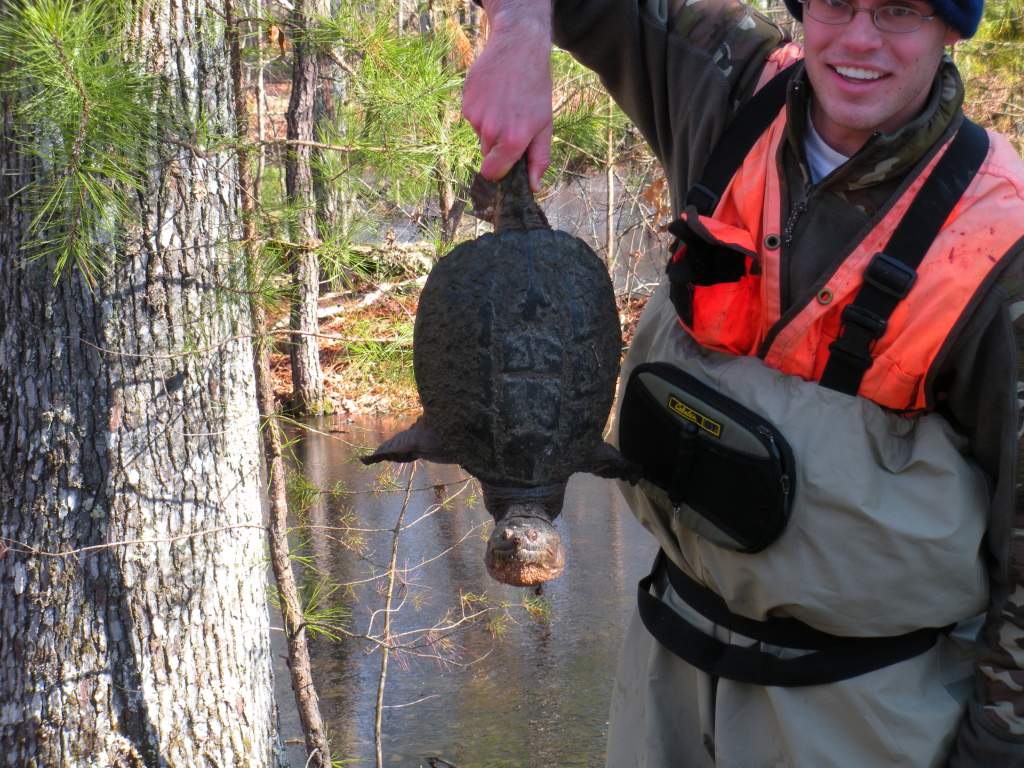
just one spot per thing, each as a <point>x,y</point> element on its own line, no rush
<point>737,317</point>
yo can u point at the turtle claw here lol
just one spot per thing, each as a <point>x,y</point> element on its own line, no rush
<point>417,442</point>
<point>608,462</point>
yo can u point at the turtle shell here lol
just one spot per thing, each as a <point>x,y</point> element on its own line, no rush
<point>516,355</point>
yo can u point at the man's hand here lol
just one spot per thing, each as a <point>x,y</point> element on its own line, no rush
<point>507,95</point>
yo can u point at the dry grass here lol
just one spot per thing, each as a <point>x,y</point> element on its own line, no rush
<point>366,357</point>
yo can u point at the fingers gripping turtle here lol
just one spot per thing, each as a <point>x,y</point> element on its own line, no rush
<point>516,353</point>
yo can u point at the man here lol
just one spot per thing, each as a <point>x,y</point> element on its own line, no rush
<point>850,295</point>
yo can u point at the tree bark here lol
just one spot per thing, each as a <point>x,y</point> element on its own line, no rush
<point>127,413</point>
<point>308,396</point>
<point>328,96</point>
<point>299,666</point>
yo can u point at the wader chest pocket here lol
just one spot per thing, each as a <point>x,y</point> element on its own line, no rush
<point>715,283</point>
<point>725,472</point>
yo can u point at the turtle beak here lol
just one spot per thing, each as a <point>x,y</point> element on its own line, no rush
<point>524,549</point>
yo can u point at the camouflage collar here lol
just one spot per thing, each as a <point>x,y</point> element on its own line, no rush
<point>886,155</point>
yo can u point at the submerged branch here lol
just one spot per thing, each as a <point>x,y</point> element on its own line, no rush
<point>392,571</point>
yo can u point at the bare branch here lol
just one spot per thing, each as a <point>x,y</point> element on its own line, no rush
<point>428,697</point>
<point>387,619</point>
<point>20,547</point>
<point>421,564</point>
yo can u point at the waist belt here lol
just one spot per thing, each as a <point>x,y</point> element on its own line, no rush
<point>831,658</point>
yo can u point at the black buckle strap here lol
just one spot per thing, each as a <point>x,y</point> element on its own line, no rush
<point>892,273</point>
<point>870,323</point>
<point>739,137</point>
<point>851,361</point>
<point>891,276</point>
<point>861,329</point>
<point>832,657</point>
<point>702,198</point>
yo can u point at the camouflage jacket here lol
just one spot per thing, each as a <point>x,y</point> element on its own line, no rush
<point>644,51</point>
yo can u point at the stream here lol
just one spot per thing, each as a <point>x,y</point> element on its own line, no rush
<point>526,684</point>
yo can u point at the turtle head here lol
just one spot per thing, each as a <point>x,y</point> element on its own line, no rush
<point>524,549</point>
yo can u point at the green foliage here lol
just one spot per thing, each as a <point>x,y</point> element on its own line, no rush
<point>998,47</point>
<point>400,144</point>
<point>84,111</point>
<point>992,65</point>
<point>264,275</point>
<point>302,493</point>
<point>538,608</point>
<point>581,118</point>
<point>382,350</point>
<point>403,114</point>
<point>323,616</point>
<point>1003,21</point>
<point>341,263</point>
<point>439,244</point>
<point>388,480</point>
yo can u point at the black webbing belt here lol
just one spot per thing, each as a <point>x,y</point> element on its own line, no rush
<point>891,273</point>
<point>831,658</point>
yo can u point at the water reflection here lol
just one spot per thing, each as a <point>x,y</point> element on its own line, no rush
<point>535,695</point>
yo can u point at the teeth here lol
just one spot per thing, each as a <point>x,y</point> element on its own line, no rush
<point>858,74</point>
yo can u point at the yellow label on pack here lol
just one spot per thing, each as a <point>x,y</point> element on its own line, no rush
<point>710,426</point>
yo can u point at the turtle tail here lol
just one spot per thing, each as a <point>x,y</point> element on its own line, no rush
<point>515,208</point>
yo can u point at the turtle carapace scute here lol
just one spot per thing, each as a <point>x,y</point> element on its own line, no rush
<point>516,353</point>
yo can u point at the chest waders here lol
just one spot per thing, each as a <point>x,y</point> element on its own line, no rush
<point>727,473</point>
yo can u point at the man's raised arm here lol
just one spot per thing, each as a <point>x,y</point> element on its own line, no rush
<point>507,96</point>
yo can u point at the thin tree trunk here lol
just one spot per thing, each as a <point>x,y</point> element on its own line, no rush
<point>451,205</point>
<point>153,653</point>
<point>291,607</point>
<point>261,102</point>
<point>308,396</point>
<point>610,182</point>
<point>329,93</point>
<point>450,209</point>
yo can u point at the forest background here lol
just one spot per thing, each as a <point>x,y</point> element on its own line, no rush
<point>214,208</point>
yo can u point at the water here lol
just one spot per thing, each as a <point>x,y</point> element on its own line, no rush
<point>536,694</point>
<point>578,205</point>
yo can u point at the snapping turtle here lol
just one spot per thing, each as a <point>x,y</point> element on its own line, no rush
<point>516,353</point>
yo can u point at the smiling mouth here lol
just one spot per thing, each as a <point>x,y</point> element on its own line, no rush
<point>858,74</point>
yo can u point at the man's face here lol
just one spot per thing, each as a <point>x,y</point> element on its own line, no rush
<point>866,80</point>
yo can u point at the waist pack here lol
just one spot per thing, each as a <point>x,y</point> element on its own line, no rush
<point>722,470</point>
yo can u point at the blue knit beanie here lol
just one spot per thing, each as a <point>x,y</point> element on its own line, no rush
<point>962,15</point>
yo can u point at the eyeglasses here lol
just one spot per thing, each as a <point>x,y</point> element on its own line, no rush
<point>888,18</point>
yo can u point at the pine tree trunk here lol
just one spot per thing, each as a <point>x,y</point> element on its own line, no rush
<point>307,378</point>
<point>328,96</point>
<point>317,749</point>
<point>127,413</point>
